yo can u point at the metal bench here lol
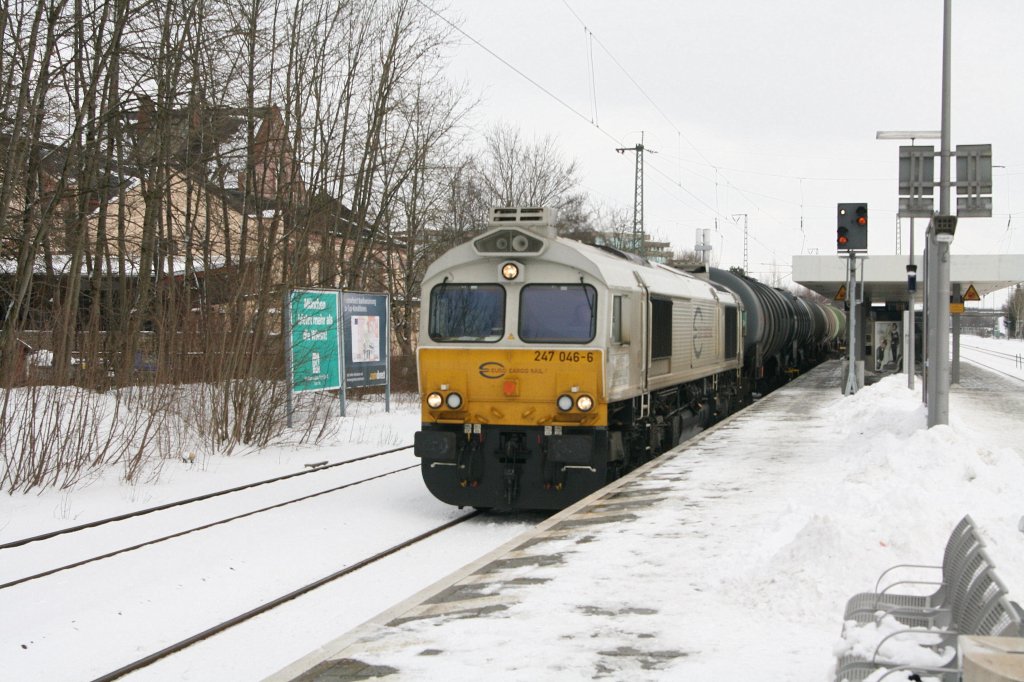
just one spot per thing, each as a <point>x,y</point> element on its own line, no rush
<point>971,600</point>
<point>963,544</point>
<point>1001,619</point>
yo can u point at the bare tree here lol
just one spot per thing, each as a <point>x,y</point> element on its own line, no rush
<point>1013,309</point>
<point>419,229</point>
<point>168,171</point>
<point>515,172</point>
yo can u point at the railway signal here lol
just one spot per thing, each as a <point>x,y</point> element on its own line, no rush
<point>852,239</point>
<point>852,227</point>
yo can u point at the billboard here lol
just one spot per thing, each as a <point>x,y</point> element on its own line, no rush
<point>365,323</point>
<point>888,347</point>
<point>313,341</point>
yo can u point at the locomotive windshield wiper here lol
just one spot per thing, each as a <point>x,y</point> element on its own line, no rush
<point>590,304</point>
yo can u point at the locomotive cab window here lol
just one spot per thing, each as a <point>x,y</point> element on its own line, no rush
<point>467,312</point>
<point>557,313</point>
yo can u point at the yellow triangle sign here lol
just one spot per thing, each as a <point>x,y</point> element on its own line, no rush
<point>971,294</point>
<point>841,294</point>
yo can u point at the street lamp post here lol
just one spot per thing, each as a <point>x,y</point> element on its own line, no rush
<point>974,184</point>
<point>938,387</point>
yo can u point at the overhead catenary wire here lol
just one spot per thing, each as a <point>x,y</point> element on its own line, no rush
<point>590,72</point>
<point>676,183</point>
<point>518,71</point>
<point>679,133</point>
<point>671,123</point>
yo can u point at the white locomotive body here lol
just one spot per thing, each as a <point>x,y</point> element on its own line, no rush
<point>548,367</point>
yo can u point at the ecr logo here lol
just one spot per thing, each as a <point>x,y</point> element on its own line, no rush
<point>492,370</point>
<point>698,342</point>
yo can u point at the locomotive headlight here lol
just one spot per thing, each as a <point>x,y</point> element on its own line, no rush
<point>434,401</point>
<point>565,403</point>
<point>510,271</point>
<point>454,401</point>
<point>585,403</point>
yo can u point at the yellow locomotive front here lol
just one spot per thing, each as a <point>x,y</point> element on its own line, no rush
<point>511,375</point>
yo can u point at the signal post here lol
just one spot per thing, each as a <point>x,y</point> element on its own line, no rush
<point>852,239</point>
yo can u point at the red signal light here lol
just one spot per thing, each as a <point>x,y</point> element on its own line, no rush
<point>842,240</point>
<point>862,220</point>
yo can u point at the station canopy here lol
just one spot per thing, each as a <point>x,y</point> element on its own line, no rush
<point>885,277</point>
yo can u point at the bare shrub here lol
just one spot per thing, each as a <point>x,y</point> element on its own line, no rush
<point>55,436</point>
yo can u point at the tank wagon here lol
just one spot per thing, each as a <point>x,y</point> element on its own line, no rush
<point>783,332</point>
<point>548,367</point>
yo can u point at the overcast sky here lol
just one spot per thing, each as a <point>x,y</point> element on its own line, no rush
<point>768,109</point>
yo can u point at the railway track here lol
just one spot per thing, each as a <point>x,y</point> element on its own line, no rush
<point>195,529</point>
<point>274,603</point>
<point>199,498</point>
<point>1017,359</point>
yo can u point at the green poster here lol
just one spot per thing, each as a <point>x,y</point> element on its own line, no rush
<point>315,350</point>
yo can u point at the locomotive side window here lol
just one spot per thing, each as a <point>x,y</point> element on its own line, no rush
<point>467,312</point>
<point>731,331</point>
<point>557,313</point>
<point>661,328</point>
<point>616,319</point>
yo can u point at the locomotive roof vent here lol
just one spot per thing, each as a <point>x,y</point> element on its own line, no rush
<point>540,219</point>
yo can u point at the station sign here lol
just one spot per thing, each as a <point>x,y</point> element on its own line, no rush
<point>916,181</point>
<point>974,180</point>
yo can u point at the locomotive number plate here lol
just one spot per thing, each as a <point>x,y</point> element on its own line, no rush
<point>563,356</point>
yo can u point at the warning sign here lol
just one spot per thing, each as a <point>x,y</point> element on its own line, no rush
<point>971,294</point>
<point>841,294</point>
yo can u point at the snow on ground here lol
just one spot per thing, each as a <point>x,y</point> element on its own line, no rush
<point>742,571</point>
<point>367,428</point>
<point>883,489</point>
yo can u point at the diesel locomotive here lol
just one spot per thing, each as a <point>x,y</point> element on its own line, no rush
<point>548,367</point>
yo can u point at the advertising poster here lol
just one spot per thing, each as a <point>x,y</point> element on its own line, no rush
<point>315,356</point>
<point>365,321</point>
<point>888,346</point>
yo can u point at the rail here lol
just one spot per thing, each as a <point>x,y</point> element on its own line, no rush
<point>274,603</point>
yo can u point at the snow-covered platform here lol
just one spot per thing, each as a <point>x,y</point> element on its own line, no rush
<point>730,557</point>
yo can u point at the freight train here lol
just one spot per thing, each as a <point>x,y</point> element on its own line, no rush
<point>549,367</point>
